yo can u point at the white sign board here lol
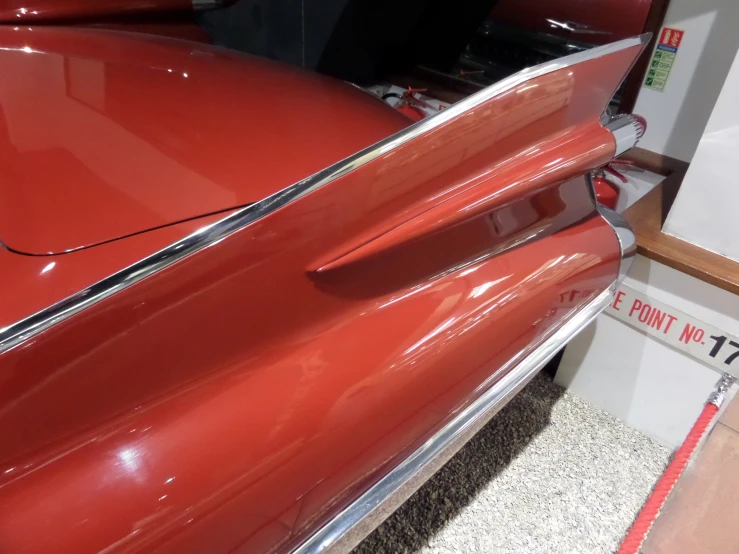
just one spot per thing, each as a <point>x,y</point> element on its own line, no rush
<point>704,342</point>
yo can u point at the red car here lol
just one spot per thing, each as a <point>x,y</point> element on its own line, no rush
<point>248,308</point>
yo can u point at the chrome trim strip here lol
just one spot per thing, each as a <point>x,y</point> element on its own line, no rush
<point>16,333</point>
<point>350,526</point>
<point>626,238</point>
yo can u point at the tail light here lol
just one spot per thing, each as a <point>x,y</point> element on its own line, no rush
<point>627,130</point>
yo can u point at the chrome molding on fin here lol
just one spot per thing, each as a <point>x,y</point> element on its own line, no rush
<point>20,331</point>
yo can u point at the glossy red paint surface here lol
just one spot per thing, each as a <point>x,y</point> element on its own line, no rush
<point>28,12</point>
<point>617,19</point>
<point>563,155</point>
<point>39,281</point>
<point>237,399</point>
<point>146,132</point>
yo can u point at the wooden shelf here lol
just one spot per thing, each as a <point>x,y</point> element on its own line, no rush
<point>647,216</point>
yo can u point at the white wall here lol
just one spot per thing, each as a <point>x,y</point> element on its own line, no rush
<point>706,211</point>
<point>648,385</point>
<point>645,383</point>
<point>677,116</point>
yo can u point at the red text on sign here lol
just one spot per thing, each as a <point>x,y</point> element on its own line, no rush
<point>653,317</point>
<point>617,301</point>
<point>693,333</point>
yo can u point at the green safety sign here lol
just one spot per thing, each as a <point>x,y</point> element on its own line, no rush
<point>663,58</point>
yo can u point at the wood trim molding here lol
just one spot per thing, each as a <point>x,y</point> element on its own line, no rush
<point>673,169</point>
<point>656,163</point>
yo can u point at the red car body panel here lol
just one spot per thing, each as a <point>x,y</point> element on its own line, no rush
<point>129,134</point>
<point>40,281</point>
<point>238,399</point>
<point>29,12</point>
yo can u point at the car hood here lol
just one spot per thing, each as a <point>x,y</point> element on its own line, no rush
<point>106,134</point>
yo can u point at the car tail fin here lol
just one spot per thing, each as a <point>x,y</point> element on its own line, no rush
<point>535,128</point>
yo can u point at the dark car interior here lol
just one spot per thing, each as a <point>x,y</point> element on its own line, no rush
<point>448,48</point>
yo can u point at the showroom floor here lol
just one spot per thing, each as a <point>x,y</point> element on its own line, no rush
<point>549,474</point>
<point>700,514</point>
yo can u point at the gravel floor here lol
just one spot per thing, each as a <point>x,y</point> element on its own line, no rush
<point>549,474</point>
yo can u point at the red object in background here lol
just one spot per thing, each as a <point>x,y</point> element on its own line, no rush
<point>409,111</point>
<point>27,12</point>
<point>239,398</point>
<point>605,192</point>
<point>671,37</point>
<point>169,18</point>
<point>412,106</point>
